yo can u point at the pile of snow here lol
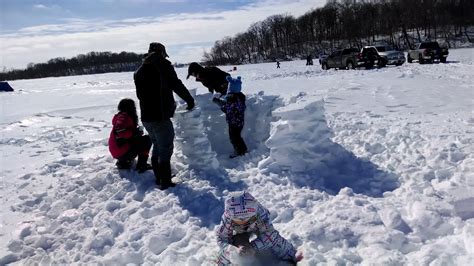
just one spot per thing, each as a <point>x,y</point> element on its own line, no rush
<point>364,166</point>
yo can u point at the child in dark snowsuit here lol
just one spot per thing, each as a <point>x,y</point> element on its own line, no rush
<point>233,105</point>
<point>126,139</point>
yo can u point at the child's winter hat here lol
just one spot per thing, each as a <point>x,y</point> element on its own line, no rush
<point>240,205</point>
<point>235,85</point>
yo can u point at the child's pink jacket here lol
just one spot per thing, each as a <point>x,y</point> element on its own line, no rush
<point>123,127</point>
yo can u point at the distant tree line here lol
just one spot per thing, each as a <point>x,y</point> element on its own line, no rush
<point>339,24</point>
<point>347,23</point>
<point>90,63</point>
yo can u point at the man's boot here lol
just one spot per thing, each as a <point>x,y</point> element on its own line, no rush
<point>165,175</point>
<point>142,164</point>
<point>156,170</point>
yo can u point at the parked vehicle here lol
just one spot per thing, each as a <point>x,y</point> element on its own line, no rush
<point>388,55</point>
<point>428,52</point>
<point>371,57</point>
<point>345,59</point>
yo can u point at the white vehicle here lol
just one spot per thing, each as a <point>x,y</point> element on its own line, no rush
<point>428,52</point>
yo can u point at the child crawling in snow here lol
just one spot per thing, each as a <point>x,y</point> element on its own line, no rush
<point>126,139</point>
<point>244,216</point>
<point>233,105</point>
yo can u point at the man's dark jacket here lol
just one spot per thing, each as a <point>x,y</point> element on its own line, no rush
<point>155,82</point>
<point>214,79</point>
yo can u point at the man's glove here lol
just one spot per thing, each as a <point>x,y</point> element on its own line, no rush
<point>121,141</point>
<point>190,106</point>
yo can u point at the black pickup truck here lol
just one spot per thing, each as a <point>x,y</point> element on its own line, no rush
<point>428,52</point>
<point>348,59</point>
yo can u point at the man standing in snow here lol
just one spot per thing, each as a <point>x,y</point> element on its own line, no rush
<point>212,78</point>
<point>155,82</point>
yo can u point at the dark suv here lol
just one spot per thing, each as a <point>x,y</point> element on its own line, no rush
<point>345,58</point>
<point>371,57</point>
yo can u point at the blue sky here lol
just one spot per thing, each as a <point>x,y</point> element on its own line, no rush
<point>38,30</point>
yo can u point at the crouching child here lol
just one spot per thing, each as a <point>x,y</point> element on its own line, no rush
<point>127,140</point>
<point>243,217</point>
<point>233,105</point>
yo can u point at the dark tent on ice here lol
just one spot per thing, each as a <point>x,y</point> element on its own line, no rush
<point>4,86</point>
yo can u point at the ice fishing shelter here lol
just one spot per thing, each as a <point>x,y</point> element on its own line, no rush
<point>4,86</point>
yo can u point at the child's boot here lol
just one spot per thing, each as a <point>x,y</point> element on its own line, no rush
<point>142,164</point>
<point>123,164</point>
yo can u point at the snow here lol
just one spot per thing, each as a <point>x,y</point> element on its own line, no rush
<point>356,167</point>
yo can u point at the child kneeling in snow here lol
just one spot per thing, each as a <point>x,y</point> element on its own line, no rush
<point>233,105</point>
<point>126,139</point>
<point>244,216</point>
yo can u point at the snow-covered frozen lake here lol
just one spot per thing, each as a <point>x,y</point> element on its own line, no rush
<point>372,167</point>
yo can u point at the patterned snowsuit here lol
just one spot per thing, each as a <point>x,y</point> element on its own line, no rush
<point>233,105</point>
<point>267,237</point>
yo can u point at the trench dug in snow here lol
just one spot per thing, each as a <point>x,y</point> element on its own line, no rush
<point>292,139</point>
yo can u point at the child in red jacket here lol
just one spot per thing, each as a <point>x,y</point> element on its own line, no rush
<point>126,139</point>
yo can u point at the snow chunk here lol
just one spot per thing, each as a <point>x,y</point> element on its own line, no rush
<point>69,215</point>
<point>161,241</point>
<point>58,208</point>
<point>464,208</point>
<point>392,219</point>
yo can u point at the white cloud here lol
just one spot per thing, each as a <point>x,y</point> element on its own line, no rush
<point>40,6</point>
<point>44,7</point>
<point>185,35</point>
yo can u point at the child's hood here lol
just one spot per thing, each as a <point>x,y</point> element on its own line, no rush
<point>240,205</point>
<point>235,84</point>
<point>121,118</point>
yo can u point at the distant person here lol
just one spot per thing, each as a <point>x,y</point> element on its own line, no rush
<point>309,60</point>
<point>321,56</point>
<point>278,64</point>
<point>243,217</point>
<point>127,140</point>
<point>155,82</point>
<point>233,105</point>
<point>212,78</point>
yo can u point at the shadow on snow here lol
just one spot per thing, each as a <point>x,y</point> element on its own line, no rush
<point>301,148</point>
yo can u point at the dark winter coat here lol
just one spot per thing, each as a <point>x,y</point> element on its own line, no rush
<point>155,82</point>
<point>233,105</point>
<point>214,79</point>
